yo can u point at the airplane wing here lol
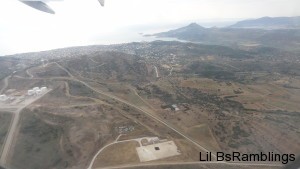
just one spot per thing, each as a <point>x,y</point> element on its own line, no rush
<point>39,5</point>
<point>101,2</point>
<point>42,6</point>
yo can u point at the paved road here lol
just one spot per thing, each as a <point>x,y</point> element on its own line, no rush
<point>12,130</point>
<point>191,163</point>
<point>9,137</point>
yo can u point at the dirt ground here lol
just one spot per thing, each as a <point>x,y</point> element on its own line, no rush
<point>118,154</point>
<point>224,108</point>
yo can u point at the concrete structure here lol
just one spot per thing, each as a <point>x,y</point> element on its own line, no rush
<point>174,107</point>
<point>37,91</point>
<point>43,89</point>
<point>157,151</point>
<point>3,98</point>
<point>30,92</point>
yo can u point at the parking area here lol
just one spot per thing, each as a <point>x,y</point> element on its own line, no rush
<point>157,151</point>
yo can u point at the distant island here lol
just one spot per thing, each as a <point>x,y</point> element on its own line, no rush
<point>270,23</point>
<point>240,34</point>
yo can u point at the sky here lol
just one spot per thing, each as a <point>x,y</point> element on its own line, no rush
<point>85,22</point>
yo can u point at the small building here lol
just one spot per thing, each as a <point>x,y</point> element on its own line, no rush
<point>38,92</point>
<point>43,89</point>
<point>30,92</point>
<point>35,89</point>
<point>3,98</point>
<point>174,107</point>
<point>154,140</point>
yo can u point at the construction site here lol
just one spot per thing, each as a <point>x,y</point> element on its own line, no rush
<point>14,99</point>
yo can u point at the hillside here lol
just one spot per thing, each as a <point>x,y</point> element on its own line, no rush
<point>270,23</point>
<point>286,39</point>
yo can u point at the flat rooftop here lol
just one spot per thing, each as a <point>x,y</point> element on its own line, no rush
<point>157,151</point>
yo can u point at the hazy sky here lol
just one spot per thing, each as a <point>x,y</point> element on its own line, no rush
<point>84,22</point>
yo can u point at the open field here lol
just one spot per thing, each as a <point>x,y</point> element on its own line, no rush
<point>204,136</point>
<point>118,154</point>
<point>138,151</point>
<point>37,142</point>
<point>273,95</point>
<point>46,71</point>
<point>60,96</point>
<point>231,120</point>
<point>72,134</point>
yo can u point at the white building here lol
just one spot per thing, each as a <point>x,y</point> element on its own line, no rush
<point>175,107</point>
<point>36,91</point>
<point>3,98</point>
<point>43,89</point>
<point>30,92</point>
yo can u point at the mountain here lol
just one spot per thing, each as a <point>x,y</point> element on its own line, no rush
<point>270,23</point>
<point>191,32</point>
<point>286,39</point>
